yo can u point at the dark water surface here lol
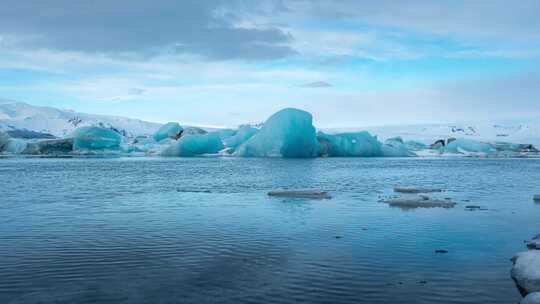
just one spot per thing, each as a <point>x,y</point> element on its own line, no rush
<point>203,230</point>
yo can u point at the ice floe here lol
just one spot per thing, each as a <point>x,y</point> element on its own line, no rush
<point>526,270</point>
<point>301,193</point>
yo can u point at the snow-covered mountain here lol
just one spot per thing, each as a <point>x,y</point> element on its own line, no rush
<point>23,116</point>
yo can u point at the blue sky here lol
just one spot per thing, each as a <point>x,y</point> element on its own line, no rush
<point>350,63</point>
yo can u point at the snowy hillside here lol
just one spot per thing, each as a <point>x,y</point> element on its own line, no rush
<point>23,116</point>
<point>526,132</point>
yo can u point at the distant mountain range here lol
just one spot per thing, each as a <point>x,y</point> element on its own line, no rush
<point>21,119</point>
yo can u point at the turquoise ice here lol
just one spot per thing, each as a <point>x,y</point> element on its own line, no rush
<point>168,130</point>
<point>196,144</point>
<point>395,147</point>
<point>360,144</point>
<point>287,133</point>
<point>243,134</point>
<point>95,138</point>
<point>468,145</point>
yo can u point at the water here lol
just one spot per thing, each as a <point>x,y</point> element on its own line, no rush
<point>203,230</point>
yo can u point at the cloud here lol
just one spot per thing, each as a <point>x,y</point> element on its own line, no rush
<point>316,84</point>
<point>139,28</point>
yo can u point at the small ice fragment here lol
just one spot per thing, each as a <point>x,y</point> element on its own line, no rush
<point>526,270</point>
<point>301,193</point>
<point>418,202</point>
<point>532,298</point>
<point>536,198</point>
<point>415,190</point>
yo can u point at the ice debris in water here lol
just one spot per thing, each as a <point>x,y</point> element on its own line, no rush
<point>301,193</point>
<point>464,145</point>
<point>532,298</point>
<point>415,190</point>
<point>395,147</point>
<point>168,130</point>
<point>420,201</point>
<point>536,198</point>
<point>349,144</point>
<point>526,270</point>
<point>193,145</point>
<point>95,138</point>
<point>244,133</point>
<point>287,133</point>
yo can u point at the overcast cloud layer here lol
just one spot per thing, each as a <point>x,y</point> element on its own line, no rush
<point>227,62</point>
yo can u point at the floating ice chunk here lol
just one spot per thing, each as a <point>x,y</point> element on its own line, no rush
<point>534,243</point>
<point>193,145</point>
<point>420,201</point>
<point>532,298</point>
<point>395,147</point>
<point>95,138</point>
<point>301,193</point>
<point>536,198</point>
<point>461,145</point>
<point>526,270</point>
<point>349,144</point>
<point>415,190</point>
<point>287,133</point>
<point>243,134</point>
<point>51,146</point>
<point>168,130</point>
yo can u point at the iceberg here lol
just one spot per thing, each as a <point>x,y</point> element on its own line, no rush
<point>193,145</point>
<point>532,298</point>
<point>287,133</point>
<point>526,270</point>
<point>168,130</point>
<point>461,145</point>
<point>4,140</point>
<point>349,144</point>
<point>50,146</point>
<point>395,147</point>
<point>95,138</point>
<point>243,134</point>
<point>415,145</point>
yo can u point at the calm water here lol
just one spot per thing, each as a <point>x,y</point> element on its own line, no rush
<point>202,230</point>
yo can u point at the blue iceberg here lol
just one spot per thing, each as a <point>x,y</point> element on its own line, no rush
<point>96,138</point>
<point>357,144</point>
<point>243,134</point>
<point>464,145</point>
<point>197,144</point>
<point>168,130</point>
<point>287,133</point>
<point>395,147</point>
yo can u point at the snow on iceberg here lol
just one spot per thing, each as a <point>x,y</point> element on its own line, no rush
<point>95,138</point>
<point>287,133</point>
<point>464,145</point>
<point>168,130</point>
<point>193,145</point>
<point>349,144</point>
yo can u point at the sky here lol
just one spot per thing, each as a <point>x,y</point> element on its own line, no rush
<point>224,63</point>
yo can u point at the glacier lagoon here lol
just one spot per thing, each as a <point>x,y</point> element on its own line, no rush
<point>140,230</point>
